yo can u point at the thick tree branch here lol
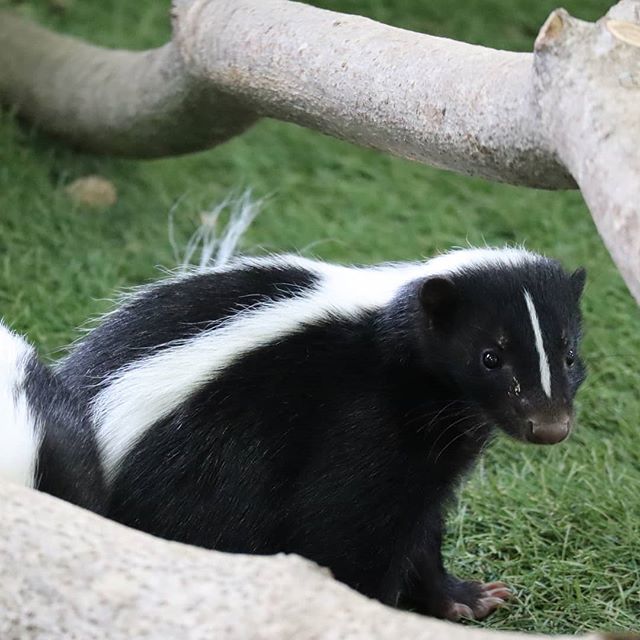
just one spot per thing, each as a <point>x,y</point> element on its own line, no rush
<point>566,112</point>
<point>67,573</point>
<point>446,103</point>
<point>588,87</point>
<point>344,75</point>
<point>142,104</point>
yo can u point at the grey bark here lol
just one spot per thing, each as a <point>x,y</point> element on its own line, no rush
<point>588,83</point>
<point>143,104</point>
<point>69,574</point>
<point>344,75</point>
<point>446,103</point>
<point>564,114</point>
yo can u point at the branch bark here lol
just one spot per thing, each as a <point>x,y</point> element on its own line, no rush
<point>564,114</point>
<point>588,87</point>
<point>140,104</point>
<point>67,573</point>
<point>374,85</point>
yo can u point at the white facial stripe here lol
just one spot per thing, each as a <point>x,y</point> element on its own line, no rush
<point>545,372</point>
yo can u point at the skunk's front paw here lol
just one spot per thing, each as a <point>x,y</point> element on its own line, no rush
<point>475,600</point>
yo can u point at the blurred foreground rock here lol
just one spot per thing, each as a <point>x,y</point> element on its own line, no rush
<point>67,573</point>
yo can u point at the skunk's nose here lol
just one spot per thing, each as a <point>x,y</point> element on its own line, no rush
<point>548,431</point>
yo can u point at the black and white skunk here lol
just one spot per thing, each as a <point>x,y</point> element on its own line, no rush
<point>282,404</point>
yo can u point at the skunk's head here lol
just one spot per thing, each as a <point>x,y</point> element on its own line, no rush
<point>504,328</point>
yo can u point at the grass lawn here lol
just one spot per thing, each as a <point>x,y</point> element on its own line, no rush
<point>562,524</point>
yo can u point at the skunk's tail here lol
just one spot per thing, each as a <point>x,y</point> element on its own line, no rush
<point>46,441</point>
<point>20,436</point>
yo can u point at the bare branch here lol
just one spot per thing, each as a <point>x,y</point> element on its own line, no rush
<point>142,104</point>
<point>565,113</point>
<point>67,573</point>
<point>348,76</point>
<point>588,87</point>
<point>446,103</point>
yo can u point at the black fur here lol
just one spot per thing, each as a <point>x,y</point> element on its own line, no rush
<point>68,465</point>
<point>173,310</point>
<point>344,441</point>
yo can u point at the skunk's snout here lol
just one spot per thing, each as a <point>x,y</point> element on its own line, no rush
<point>544,430</point>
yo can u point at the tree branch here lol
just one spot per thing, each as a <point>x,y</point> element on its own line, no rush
<point>446,103</point>
<point>142,104</point>
<point>566,112</point>
<point>588,87</point>
<point>344,75</point>
<point>67,573</point>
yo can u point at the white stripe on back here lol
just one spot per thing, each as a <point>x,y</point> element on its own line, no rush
<point>147,390</point>
<point>545,372</point>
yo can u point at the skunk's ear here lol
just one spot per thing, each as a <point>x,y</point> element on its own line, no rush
<point>439,297</point>
<point>578,279</point>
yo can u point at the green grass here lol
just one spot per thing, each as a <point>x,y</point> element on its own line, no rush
<point>562,524</point>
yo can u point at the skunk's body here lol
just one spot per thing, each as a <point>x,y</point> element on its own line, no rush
<point>283,404</point>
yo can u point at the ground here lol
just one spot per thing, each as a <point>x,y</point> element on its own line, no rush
<point>561,525</point>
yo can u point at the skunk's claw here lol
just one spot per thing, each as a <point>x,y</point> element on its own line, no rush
<point>487,598</point>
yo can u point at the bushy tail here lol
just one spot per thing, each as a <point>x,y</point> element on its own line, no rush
<point>46,439</point>
<point>19,434</point>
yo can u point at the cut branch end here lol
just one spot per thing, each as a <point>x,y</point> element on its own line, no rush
<point>624,31</point>
<point>551,29</point>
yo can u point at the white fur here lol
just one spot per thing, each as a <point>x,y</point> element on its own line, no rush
<point>19,438</point>
<point>545,371</point>
<point>215,250</point>
<point>140,394</point>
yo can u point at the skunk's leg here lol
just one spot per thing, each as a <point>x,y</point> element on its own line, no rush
<point>431,590</point>
<point>475,600</point>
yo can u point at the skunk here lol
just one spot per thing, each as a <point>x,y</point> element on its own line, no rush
<point>282,404</point>
<point>46,438</point>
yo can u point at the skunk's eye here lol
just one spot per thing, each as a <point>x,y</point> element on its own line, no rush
<point>570,358</point>
<point>491,360</point>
